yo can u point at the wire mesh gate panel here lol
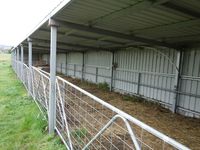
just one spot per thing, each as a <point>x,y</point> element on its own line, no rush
<point>84,121</point>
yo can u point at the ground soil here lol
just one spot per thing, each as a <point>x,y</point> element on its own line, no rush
<point>183,129</point>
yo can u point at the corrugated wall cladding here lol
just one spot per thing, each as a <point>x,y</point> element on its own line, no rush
<point>97,66</point>
<point>189,96</point>
<point>46,58</point>
<point>75,58</point>
<point>74,64</point>
<point>61,62</point>
<point>98,58</point>
<point>147,72</point>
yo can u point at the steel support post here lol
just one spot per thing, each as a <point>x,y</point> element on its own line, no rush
<point>74,70</point>
<point>96,78</point>
<point>29,64</point>
<point>22,62</point>
<point>66,65</point>
<point>177,80</point>
<point>83,66</point>
<point>66,69</point>
<point>138,83</point>
<point>52,93</point>
<point>111,70</point>
<point>61,66</point>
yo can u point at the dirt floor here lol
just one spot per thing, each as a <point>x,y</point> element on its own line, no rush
<point>183,129</point>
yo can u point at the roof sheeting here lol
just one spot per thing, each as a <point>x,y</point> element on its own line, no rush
<point>94,24</point>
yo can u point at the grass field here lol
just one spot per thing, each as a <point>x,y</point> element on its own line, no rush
<point>21,125</point>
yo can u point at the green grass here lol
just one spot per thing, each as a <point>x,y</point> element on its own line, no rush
<point>22,126</point>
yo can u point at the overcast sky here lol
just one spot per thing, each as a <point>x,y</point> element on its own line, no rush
<point>19,17</point>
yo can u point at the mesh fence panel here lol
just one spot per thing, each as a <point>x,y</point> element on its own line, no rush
<point>84,121</point>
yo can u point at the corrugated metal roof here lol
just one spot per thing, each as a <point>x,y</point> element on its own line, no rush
<point>141,22</point>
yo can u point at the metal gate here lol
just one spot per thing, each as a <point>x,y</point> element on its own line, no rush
<point>84,121</point>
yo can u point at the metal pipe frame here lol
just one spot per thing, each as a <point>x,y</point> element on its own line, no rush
<point>130,131</point>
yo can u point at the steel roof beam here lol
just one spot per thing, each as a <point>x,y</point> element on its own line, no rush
<point>112,33</point>
<point>72,34</point>
<point>83,47</point>
<point>172,26</point>
<point>181,9</point>
<point>106,39</point>
<point>68,33</point>
<point>47,48</point>
<point>184,38</point>
<point>129,10</point>
<point>97,39</point>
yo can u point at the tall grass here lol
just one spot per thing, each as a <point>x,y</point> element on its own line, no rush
<point>21,125</point>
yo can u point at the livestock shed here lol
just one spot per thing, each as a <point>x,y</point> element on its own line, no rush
<point>146,48</point>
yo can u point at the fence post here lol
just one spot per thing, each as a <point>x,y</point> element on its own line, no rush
<point>138,83</point>
<point>96,79</point>
<point>177,80</point>
<point>111,70</point>
<point>52,92</point>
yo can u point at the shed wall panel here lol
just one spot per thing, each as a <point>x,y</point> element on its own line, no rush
<point>61,62</point>
<point>97,66</point>
<point>74,64</point>
<point>155,68</point>
<point>46,58</point>
<point>147,72</point>
<point>189,97</point>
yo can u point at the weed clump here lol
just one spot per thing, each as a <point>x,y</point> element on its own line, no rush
<point>103,86</point>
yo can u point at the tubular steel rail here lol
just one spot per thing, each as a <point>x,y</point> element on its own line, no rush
<point>85,122</point>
